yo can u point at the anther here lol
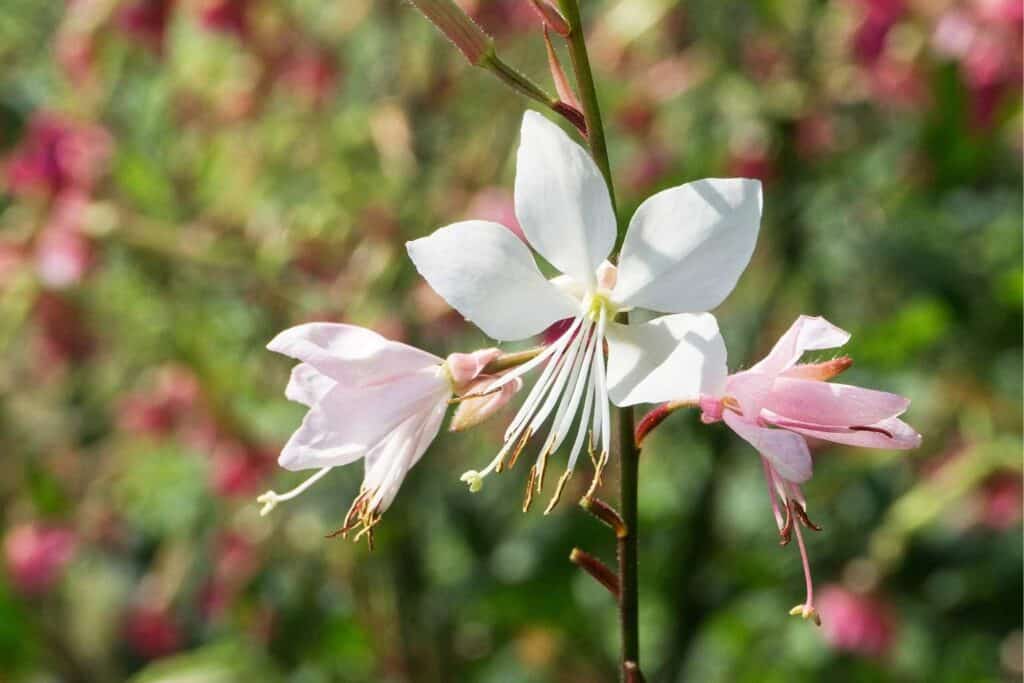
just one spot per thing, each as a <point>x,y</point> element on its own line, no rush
<point>528,498</point>
<point>801,514</point>
<point>558,491</point>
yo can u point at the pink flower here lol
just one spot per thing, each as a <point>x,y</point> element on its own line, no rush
<point>58,154</point>
<point>856,623</point>
<point>779,402</point>
<point>36,556</point>
<point>369,399</point>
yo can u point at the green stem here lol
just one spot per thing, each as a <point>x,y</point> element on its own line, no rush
<point>628,452</point>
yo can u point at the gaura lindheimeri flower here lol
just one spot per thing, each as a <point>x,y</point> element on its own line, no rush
<point>684,251</point>
<point>778,402</point>
<point>369,398</point>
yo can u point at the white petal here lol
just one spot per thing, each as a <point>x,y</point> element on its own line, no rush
<point>489,276</point>
<point>348,421</point>
<point>806,334</point>
<point>673,357</point>
<point>307,385</point>
<point>351,355</point>
<point>687,246</point>
<point>562,201</point>
<point>787,452</point>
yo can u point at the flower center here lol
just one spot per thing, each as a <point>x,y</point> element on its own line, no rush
<point>599,301</point>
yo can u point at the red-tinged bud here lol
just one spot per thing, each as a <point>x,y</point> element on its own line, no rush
<point>649,422</point>
<point>562,87</point>
<point>823,371</point>
<point>456,25</point>
<point>597,569</point>
<point>573,116</point>
<point>657,416</point>
<point>552,18</point>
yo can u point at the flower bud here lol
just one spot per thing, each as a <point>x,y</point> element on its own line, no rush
<point>456,25</point>
<point>552,18</point>
<point>466,367</point>
<point>473,411</point>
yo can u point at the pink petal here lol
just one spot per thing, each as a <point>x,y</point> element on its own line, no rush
<point>750,389</point>
<point>307,386</point>
<point>351,355</point>
<point>787,452</point>
<point>348,421</point>
<point>891,434</point>
<point>831,404</point>
<point>806,334</point>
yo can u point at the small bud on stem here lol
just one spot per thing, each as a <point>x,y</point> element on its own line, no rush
<point>596,568</point>
<point>605,513</point>
<point>458,27</point>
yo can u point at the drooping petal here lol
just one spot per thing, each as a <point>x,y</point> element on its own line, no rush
<point>892,434</point>
<point>491,278</point>
<point>808,333</point>
<point>826,403</point>
<point>687,246</point>
<point>313,445</point>
<point>786,451</point>
<point>562,201</point>
<point>307,385</point>
<point>352,420</point>
<point>350,355</point>
<point>673,357</point>
<point>387,465</point>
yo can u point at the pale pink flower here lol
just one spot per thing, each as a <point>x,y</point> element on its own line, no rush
<point>369,399</point>
<point>778,402</point>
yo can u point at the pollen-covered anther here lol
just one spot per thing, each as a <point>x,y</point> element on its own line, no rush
<point>786,530</point>
<point>562,481</point>
<point>360,517</point>
<point>519,448</point>
<point>801,514</point>
<point>595,483</point>
<point>528,496</point>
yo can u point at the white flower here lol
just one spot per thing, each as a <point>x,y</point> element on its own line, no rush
<point>683,253</point>
<point>368,398</point>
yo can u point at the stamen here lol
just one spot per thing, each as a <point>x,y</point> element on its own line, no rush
<point>566,412</point>
<point>527,435</point>
<point>270,499</point>
<point>539,358</point>
<point>786,531</point>
<point>558,491</point>
<point>801,514</point>
<point>528,497</point>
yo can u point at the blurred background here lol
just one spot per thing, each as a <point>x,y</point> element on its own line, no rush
<point>180,180</point>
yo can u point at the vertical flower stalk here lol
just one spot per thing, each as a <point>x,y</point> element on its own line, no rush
<point>628,452</point>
